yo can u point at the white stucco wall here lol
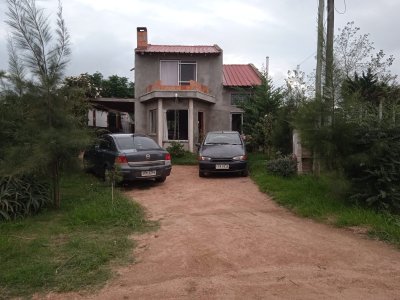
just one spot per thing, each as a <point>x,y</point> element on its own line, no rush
<point>101,118</point>
<point>297,151</point>
<point>126,123</point>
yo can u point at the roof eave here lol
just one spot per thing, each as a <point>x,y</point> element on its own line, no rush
<point>243,86</point>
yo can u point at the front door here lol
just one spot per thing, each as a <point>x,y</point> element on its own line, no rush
<point>237,122</point>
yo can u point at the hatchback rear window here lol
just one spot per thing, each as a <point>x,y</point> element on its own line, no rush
<point>136,143</point>
<point>223,138</point>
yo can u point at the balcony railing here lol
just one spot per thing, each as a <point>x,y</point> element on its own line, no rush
<point>193,86</point>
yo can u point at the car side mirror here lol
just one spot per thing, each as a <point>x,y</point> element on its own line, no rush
<point>96,147</point>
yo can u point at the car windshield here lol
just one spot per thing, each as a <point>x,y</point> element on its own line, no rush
<point>223,138</point>
<point>136,143</point>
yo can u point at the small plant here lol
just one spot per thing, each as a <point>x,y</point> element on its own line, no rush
<point>284,166</point>
<point>114,177</point>
<point>21,197</point>
<point>176,149</point>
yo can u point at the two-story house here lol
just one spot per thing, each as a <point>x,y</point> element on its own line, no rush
<point>182,92</point>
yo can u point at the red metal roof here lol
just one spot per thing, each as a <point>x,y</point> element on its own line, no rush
<point>181,49</point>
<point>241,75</point>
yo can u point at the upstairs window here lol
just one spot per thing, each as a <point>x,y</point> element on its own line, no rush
<point>176,72</point>
<point>187,72</point>
<point>238,98</point>
<point>169,72</point>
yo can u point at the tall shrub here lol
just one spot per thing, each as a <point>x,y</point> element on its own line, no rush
<point>49,133</point>
<point>260,111</point>
<point>374,168</point>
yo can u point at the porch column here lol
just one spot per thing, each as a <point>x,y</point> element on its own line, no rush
<point>160,122</point>
<point>190,127</point>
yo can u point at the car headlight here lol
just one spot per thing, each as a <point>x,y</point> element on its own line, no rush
<point>204,158</point>
<point>240,157</point>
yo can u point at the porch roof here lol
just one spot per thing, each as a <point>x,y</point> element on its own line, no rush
<point>179,94</point>
<point>115,104</point>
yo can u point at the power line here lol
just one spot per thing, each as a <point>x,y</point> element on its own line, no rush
<point>312,54</point>
<point>307,58</point>
<point>345,8</point>
<point>315,52</point>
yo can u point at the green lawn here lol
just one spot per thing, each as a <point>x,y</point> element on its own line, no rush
<point>323,199</point>
<point>73,248</point>
<point>187,159</point>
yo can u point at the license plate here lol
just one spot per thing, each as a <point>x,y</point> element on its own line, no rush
<point>149,173</point>
<point>222,167</point>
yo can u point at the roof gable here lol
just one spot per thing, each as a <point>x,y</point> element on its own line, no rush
<point>241,75</point>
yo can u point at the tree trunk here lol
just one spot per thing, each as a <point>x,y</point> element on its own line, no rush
<point>112,192</point>
<point>394,115</point>
<point>56,184</point>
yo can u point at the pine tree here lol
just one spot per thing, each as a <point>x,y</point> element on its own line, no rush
<point>260,111</point>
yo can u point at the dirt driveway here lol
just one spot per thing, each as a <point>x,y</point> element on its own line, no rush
<point>220,238</point>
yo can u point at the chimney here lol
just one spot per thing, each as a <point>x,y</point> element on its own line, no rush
<point>141,37</point>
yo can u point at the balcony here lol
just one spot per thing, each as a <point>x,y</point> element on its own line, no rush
<point>193,86</point>
<point>194,90</point>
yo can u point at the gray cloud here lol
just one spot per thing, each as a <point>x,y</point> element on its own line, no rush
<point>104,32</point>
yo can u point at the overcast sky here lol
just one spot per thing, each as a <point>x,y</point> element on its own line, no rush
<point>103,32</point>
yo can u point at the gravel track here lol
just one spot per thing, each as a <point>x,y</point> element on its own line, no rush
<point>221,238</point>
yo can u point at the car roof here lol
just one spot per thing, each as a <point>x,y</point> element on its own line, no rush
<point>126,134</point>
<point>223,131</point>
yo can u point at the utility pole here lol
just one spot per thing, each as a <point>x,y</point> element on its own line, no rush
<point>267,66</point>
<point>318,77</point>
<point>329,94</point>
<point>320,47</point>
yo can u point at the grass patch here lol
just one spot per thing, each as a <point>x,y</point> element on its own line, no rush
<point>323,199</point>
<point>188,158</point>
<point>72,248</point>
